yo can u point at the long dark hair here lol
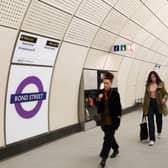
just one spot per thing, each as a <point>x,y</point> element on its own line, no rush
<point>158,80</point>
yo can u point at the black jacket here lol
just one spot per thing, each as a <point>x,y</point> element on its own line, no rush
<point>114,106</point>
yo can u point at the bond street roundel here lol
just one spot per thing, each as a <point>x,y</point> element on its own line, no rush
<point>19,97</point>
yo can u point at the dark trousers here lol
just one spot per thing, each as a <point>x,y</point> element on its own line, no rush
<point>109,141</point>
<point>153,109</point>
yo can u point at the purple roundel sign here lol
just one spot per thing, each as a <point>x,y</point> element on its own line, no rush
<point>20,97</point>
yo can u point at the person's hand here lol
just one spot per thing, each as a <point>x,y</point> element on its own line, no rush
<point>100,97</point>
<point>163,101</point>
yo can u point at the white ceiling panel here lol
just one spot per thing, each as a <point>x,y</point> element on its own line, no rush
<point>162,12</point>
<point>12,12</point>
<point>111,2</point>
<point>153,25</point>
<point>104,40</point>
<point>164,36</point>
<point>46,20</point>
<point>93,11</point>
<point>128,7</point>
<point>156,58</point>
<point>130,31</point>
<point>159,47</point>
<point>163,49</point>
<point>165,62</point>
<point>142,15</point>
<point>150,55</point>
<point>81,32</point>
<point>66,5</point>
<point>115,22</point>
<point>141,36</point>
<point>140,53</point>
<point>159,31</point>
<point>155,4</point>
<point>149,41</point>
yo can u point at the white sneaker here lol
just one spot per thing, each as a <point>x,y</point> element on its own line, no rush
<point>151,143</point>
<point>159,136</point>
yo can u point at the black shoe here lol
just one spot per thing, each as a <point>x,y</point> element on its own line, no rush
<point>103,163</point>
<point>115,153</point>
<point>101,155</point>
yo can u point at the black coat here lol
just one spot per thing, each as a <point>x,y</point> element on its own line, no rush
<point>114,106</point>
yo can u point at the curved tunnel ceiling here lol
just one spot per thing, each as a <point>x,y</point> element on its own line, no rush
<point>87,30</point>
<point>97,24</point>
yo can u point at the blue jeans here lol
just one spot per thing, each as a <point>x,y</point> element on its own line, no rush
<point>153,109</point>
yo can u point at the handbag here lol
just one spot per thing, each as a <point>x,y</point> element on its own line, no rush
<point>143,129</point>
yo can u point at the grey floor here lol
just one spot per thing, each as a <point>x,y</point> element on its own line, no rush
<point>82,149</point>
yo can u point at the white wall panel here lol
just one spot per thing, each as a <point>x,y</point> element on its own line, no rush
<point>166,78</point>
<point>113,62</point>
<point>165,63</point>
<point>93,11</point>
<point>133,73</point>
<point>142,77</point>
<point>130,96</point>
<point>46,20</point>
<point>131,84</point>
<point>65,86</point>
<point>96,59</point>
<point>123,79</point>
<point>7,40</point>
<point>163,74</point>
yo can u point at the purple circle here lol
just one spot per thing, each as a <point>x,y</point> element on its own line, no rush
<point>27,81</point>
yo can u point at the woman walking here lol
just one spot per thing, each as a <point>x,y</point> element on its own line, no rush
<point>155,104</point>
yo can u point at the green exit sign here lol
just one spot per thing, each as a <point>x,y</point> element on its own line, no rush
<point>123,47</point>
